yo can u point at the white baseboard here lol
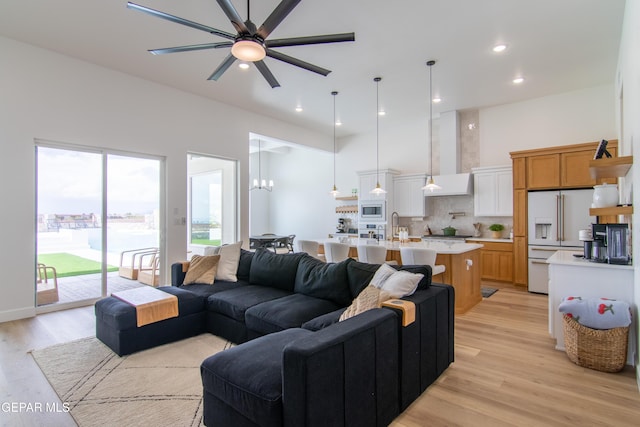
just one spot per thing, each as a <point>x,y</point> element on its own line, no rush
<point>16,314</point>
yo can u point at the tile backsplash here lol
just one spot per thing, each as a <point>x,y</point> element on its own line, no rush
<point>457,212</point>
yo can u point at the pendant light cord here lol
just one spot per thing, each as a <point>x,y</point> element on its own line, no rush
<point>334,93</point>
<point>259,163</point>
<point>430,64</point>
<point>377,80</point>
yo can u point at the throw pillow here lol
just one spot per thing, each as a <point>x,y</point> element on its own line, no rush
<point>370,297</point>
<point>596,313</point>
<point>229,259</point>
<point>212,250</point>
<point>202,269</point>
<point>402,283</point>
<point>382,275</point>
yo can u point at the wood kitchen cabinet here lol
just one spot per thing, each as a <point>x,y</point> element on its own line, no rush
<point>549,169</point>
<point>543,171</point>
<point>496,261</point>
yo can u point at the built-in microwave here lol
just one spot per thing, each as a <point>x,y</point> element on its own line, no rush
<point>372,210</point>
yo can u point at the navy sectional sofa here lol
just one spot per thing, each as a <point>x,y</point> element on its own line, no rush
<point>295,364</point>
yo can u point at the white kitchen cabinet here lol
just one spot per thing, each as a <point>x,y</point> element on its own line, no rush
<point>493,191</point>
<point>408,196</point>
<point>367,181</point>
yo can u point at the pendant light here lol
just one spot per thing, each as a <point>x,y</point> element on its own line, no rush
<point>259,183</point>
<point>335,191</point>
<point>378,190</point>
<point>431,185</point>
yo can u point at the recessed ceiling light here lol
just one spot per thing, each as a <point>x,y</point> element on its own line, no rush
<point>243,66</point>
<point>436,99</point>
<point>382,113</point>
<point>518,80</point>
<point>338,123</point>
<point>499,48</point>
<point>299,109</point>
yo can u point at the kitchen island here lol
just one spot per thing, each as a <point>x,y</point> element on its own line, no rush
<point>574,276</point>
<point>461,261</point>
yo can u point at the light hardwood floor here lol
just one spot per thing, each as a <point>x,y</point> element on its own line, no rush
<point>506,372</point>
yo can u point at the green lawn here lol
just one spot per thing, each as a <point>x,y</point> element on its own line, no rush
<point>206,242</point>
<point>67,265</point>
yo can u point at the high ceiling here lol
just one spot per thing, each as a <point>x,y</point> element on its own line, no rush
<point>556,45</point>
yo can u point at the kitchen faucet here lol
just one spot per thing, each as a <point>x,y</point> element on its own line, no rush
<point>393,225</point>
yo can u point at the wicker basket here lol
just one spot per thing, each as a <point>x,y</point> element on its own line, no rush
<point>602,350</point>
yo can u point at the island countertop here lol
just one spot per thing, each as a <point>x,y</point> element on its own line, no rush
<point>441,248</point>
<point>461,262</point>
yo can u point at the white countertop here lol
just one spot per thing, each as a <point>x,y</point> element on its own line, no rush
<point>441,248</point>
<point>567,258</point>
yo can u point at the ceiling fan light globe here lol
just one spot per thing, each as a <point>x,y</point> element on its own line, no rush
<point>248,50</point>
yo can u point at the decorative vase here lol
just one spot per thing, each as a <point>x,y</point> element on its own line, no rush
<point>605,195</point>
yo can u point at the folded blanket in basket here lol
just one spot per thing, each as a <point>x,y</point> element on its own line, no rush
<point>597,313</point>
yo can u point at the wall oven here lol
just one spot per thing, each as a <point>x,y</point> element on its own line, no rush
<point>372,211</point>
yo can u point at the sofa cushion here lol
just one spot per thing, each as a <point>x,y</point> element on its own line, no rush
<point>321,280</point>
<point>274,270</point>
<point>287,312</point>
<point>360,275</point>
<point>120,315</point>
<point>208,290</point>
<point>244,266</point>
<point>248,377</point>
<point>234,302</point>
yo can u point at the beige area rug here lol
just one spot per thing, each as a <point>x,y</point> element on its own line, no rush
<point>156,387</point>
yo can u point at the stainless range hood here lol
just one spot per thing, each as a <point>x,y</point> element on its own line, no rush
<point>452,182</point>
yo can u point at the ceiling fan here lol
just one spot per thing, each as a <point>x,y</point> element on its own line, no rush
<point>250,43</point>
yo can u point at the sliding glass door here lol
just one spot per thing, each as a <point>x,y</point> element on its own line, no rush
<point>98,223</point>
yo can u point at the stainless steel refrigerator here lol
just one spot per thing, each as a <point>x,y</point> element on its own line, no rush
<point>555,218</point>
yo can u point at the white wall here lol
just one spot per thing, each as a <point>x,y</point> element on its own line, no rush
<point>628,109</point>
<point>300,203</point>
<point>567,118</point>
<point>57,98</point>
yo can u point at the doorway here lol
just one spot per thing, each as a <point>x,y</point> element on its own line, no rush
<point>97,212</point>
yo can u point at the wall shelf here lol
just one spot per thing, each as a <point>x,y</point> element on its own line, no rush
<point>610,167</point>
<point>347,198</point>
<point>352,209</point>
<point>615,210</point>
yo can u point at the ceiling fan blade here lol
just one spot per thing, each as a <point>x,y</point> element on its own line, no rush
<point>298,41</point>
<point>233,16</point>
<point>266,73</point>
<point>181,21</point>
<point>222,67</point>
<point>279,13</point>
<point>297,62</point>
<point>190,48</point>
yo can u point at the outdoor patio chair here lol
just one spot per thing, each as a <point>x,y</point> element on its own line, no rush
<point>130,259</point>
<point>149,271</point>
<point>46,287</point>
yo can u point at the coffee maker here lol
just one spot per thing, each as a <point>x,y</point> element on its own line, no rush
<point>610,243</point>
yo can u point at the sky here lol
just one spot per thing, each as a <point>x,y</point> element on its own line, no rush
<point>69,182</point>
